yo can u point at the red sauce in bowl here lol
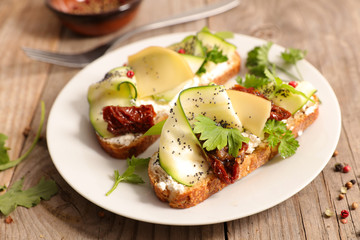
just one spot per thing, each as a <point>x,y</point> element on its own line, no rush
<point>94,17</point>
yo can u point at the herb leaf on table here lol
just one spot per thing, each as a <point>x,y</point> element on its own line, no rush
<point>5,162</point>
<point>30,197</point>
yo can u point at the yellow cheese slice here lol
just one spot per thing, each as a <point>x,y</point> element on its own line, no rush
<point>158,69</point>
<point>253,111</point>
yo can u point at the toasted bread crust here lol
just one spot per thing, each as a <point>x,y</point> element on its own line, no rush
<point>137,146</point>
<point>193,195</point>
<point>140,144</point>
<point>121,151</point>
<point>234,68</point>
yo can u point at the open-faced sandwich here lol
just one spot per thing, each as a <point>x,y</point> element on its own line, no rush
<point>131,99</point>
<point>215,136</point>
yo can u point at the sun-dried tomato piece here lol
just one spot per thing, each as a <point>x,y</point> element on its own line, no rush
<point>225,166</point>
<point>250,90</point>
<point>219,170</point>
<point>279,113</point>
<point>122,120</point>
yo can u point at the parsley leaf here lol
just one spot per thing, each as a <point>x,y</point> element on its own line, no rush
<point>239,80</point>
<point>292,56</point>
<point>214,55</point>
<point>280,135</point>
<point>258,60</point>
<point>217,137</point>
<point>288,145</point>
<point>15,196</point>
<point>5,162</point>
<point>252,81</point>
<point>129,176</point>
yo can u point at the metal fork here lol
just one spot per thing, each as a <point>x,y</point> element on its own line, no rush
<point>82,59</point>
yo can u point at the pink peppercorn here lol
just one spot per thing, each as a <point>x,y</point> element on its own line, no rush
<point>293,84</point>
<point>346,169</point>
<point>344,213</point>
<point>181,50</point>
<point>130,74</point>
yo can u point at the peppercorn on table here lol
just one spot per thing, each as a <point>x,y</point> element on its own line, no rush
<point>327,208</point>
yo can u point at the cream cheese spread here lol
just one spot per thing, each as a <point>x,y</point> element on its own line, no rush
<point>166,181</point>
<point>254,141</point>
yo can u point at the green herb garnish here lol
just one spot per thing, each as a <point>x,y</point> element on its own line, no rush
<point>292,56</point>
<point>129,176</point>
<point>217,137</point>
<point>280,135</point>
<point>252,81</point>
<point>258,60</point>
<point>30,197</point>
<point>5,162</point>
<point>214,55</point>
<point>279,85</point>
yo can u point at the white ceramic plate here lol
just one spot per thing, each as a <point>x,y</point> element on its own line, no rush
<point>89,170</point>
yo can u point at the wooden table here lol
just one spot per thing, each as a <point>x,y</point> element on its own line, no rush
<point>328,29</point>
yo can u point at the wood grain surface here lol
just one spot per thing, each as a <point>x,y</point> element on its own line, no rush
<point>328,29</point>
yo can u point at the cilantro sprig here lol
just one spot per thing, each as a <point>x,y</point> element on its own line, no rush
<point>214,55</point>
<point>217,137</point>
<point>30,197</point>
<point>253,81</point>
<point>5,162</point>
<point>278,134</point>
<point>292,56</point>
<point>258,60</point>
<point>129,176</point>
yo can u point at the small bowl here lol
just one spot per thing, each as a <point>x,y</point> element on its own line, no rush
<point>94,17</point>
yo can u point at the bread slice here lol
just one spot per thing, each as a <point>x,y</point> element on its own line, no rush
<point>123,147</point>
<point>181,196</point>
